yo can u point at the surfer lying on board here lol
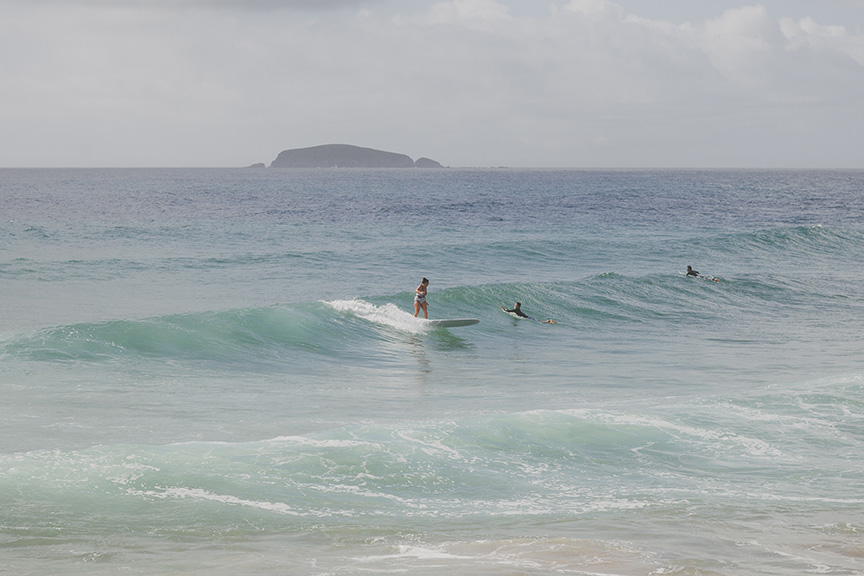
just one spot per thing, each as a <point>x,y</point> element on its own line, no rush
<point>420,298</point>
<point>694,273</point>
<point>517,310</point>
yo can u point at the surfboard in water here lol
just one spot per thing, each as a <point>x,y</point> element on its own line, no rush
<point>451,323</point>
<point>701,277</point>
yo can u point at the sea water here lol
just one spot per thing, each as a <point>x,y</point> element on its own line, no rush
<point>219,372</point>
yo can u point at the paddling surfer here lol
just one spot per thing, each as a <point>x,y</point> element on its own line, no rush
<point>695,274</point>
<point>517,310</point>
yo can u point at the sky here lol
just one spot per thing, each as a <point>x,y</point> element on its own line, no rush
<point>469,83</point>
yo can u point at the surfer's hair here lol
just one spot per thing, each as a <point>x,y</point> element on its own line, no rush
<point>424,281</point>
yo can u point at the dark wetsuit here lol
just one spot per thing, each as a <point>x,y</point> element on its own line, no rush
<point>518,312</point>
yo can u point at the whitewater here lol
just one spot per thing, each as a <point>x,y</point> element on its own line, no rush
<point>218,371</point>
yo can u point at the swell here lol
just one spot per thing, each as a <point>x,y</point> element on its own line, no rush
<point>366,328</point>
<point>783,244</point>
<point>341,331</point>
<point>218,336</point>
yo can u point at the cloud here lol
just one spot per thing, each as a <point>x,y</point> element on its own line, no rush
<point>257,5</point>
<point>467,82</point>
<point>736,42</point>
<point>594,8</point>
<point>807,34</point>
<point>467,11</point>
<point>306,5</point>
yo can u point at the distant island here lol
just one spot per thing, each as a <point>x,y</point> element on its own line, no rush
<point>346,156</point>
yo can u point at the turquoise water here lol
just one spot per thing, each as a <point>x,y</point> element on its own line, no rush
<point>218,372</point>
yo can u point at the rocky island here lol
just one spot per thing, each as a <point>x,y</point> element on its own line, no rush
<point>347,156</point>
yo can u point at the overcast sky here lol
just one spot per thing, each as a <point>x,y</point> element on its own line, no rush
<point>522,83</point>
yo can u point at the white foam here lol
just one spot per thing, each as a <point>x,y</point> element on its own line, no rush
<point>199,494</point>
<point>431,447</point>
<point>325,443</point>
<point>388,314</point>
<point>417,552</point>
<point>752,446</point>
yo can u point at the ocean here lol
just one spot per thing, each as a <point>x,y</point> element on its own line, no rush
<point>218,371</point>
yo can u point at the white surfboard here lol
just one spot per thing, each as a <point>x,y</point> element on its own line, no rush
<point>451,323</point>
<point>701,277</point>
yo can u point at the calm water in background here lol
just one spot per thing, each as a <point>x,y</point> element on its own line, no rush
<point>216,372</point>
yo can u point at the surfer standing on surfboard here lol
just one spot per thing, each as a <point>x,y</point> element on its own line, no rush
<point>517,310</point>
<point>420,298</point>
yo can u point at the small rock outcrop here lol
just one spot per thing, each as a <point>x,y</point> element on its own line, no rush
<point>427,163</point>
